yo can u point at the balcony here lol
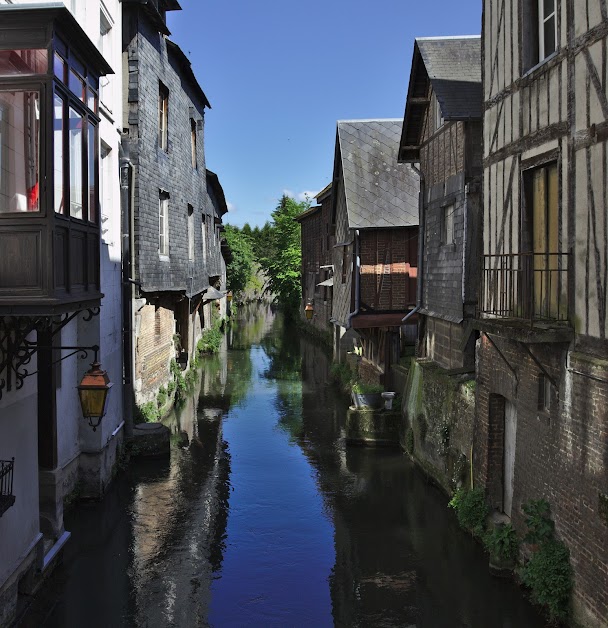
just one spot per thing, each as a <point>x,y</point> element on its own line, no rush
<point>7,499</point>
<point>528,291</point>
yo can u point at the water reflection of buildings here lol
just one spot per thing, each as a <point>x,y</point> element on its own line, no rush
<point>179,517</point>
<point>400,559</point>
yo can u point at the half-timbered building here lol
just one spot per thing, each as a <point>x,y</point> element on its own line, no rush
<point>442,132</point>
<point>317,257</point>
<point>542,372</point>
<point>375,259</point>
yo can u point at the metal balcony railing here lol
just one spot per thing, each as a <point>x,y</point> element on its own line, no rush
<point>525,286</point>
<point>7,499</point>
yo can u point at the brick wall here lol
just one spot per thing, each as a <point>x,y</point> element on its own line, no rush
<point>153,350</point>
<point>561,455</point>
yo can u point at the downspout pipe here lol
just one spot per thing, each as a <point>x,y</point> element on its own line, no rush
<point>421,237</point>
<point>128,287</point>
<point>357,281</point>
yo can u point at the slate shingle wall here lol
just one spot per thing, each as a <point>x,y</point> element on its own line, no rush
<point>156,169</point>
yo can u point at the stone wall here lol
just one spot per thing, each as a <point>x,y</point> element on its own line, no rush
<point>440,409</point>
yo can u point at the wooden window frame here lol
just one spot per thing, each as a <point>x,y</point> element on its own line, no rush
<point>163,117</point>
<point>193,143</point>
<point>163,224</point>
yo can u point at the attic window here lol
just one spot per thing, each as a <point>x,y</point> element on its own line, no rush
<point>439,121</point>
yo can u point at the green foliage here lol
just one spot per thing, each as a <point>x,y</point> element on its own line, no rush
<point>174,368</point>
<point>240,268</point>
<point>161,397</point>
<point>548,573</point>
<point>538,521</point>
<point>409,441</point>
<point>191,377</point>
<point>282,257</point>
<point>361,388</point>
<point>471,509</point>
<point>149,412</point>
<point>180,387</point>
<point>171,387</point>
<point>502,543</point>
<point>211,339</point>
<point>341,373</point>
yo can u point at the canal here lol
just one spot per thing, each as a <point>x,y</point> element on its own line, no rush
<point>263,517</point>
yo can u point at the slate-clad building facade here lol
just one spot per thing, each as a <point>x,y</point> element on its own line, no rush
<point>375,212</point>
<point>175,225</point>
<point>442,132</point>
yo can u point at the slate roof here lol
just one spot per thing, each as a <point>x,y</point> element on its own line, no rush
<point>453,65</point>
<point>380,192</point>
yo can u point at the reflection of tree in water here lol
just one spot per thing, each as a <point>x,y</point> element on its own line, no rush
<point>250,323</point>
<point>282,348</point>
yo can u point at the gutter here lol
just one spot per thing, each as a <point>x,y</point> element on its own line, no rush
<point>357,270</point>
<point>128,285</point>
<point>420,249</point>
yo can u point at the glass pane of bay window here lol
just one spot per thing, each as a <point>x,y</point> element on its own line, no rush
<point>92,159</point>
<point>77,85</point>
<point>58,153</point>
<point>13,62</point>
<point>76,154</point>
<point>19,151</point>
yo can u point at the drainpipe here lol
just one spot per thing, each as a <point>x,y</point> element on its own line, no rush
<point>357,281</point>
<point>128,285</point>
<point>420,249</point>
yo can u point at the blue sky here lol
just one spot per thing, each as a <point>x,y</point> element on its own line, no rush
<point>280,73</point>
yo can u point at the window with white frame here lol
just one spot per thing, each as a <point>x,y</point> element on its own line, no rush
<point>163,116</point>
<point>105,45</point>
<point>447,224</point>
<point>204,236</point>
<point>190,232</point>
<point>163,223</point>
<point>439,121</point>
<point>539,31</point>
<point>547,28</point>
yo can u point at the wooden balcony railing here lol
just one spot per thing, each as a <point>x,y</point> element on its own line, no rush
<point>525,286</point>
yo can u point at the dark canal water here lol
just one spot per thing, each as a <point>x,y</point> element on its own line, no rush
<point>263,517</point>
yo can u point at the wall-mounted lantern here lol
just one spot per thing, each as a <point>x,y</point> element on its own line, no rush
<point>309,311</point>
<point>93,392</point>
<point>229,296</point>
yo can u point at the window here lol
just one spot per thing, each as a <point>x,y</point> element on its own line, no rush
<point>163,117</point>
<point>106,181</point>
<point>105,46</point>
<point>447,224</point>
<point>190,232</point>
<point>439,121</point>
<point>19,151</point>
<point>544,393</point>
<point>344,264</point>
<point>547,28</point>
<point>539,39</point>
<point>204,236</point>
<point>193,142</point>
<point>163,223</point>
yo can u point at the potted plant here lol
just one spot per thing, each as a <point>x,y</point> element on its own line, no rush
<point>367,395</point>
<point>503,546</point>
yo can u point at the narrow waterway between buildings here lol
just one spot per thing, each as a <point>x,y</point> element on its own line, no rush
<point>263,517</point>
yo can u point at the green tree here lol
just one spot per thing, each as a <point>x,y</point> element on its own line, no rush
<point>240,268</point>
<point>282,259</point>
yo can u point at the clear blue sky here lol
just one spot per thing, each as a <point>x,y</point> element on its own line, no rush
<point>280,73</point>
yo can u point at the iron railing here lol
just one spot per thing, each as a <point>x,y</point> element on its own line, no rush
<point>7,499</point>
<point>525,286</point>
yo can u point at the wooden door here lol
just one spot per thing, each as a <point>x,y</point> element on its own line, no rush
<point>510,435</point>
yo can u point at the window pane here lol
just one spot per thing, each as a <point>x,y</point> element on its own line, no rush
<point>19,151</point>
<point>58,135</point>
<point>77,85</point>
<point>549,7</point>
<point>59,67</point>
<point>92,173</point>
<point>23,62</point>
<point>91,100</point>
<point>549,32</point>
<point>76,188</point>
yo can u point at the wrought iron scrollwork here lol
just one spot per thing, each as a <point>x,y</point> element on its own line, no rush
<point>16,351</point>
